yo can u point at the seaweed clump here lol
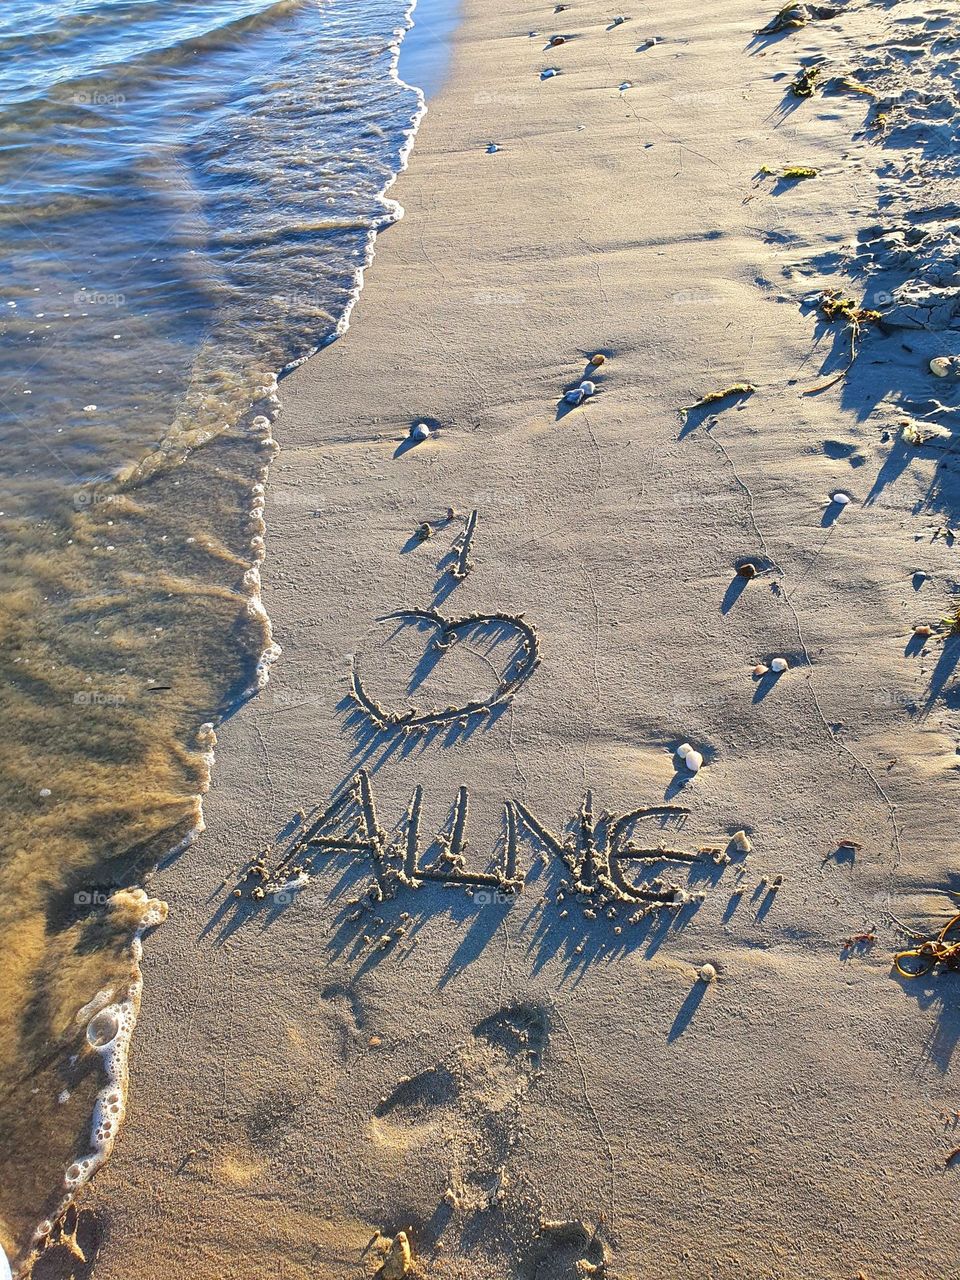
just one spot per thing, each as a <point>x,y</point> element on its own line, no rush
<point>802,87</point>
<point>739,389</point>
<point>835,305</point>
<point>794,16</point>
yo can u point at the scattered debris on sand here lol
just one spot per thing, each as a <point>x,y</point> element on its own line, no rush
<point>794,16</point>
<point>738,390</point>
<point>804,84</point>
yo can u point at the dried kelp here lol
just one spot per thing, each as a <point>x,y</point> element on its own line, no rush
<point>794,16</point>
<point>735,389</point>
<point>834,304</point>
<point>803,86</point>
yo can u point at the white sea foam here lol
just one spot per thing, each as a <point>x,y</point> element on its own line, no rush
<point>109,1019</point>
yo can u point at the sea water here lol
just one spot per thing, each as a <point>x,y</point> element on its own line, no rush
<point>189,194</point>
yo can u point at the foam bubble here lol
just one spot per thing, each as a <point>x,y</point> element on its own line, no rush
<point>109,1030</point>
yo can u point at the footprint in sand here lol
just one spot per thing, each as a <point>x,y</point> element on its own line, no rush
<point>72,1247</point>
<point>470,1103</point>
<point>345,1013</point>
<point>465,1113</point>
<point>417,1108</point>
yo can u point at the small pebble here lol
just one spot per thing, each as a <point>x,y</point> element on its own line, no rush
<point>741,841</point>
<point>420,432</point>
<point>747,570</point>
<point>491,148</point>
<point>599,358</point>
<point>942,366</point>
<point>840,498</point>
<point>45,792</point>
<point>684,749</point>
<point>761,669</point>
<point>549,73</point>
<point>708,973</point>
<point>693,760</point>
<point>779,664</point>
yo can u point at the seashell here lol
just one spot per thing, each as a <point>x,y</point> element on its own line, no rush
<point>574,396</point>
<point>942,366</point>
<point>779,664</point>
<point>549,73</point>
<point>625,86</point>
<point>598,359</point>
<point>741,842</point>
<point>840,498</point>
<point>491,148</point>
<point>588,388</point>
<point>420,432</point>
<point>708,973</point>
<point>693,760</point>
<point>923,630</point>
<point>618,21</point>
<point>89,408</point>
<point>747,570</point>
<point>684,749</point>
<point>555,40</point>
<point>761,669</point>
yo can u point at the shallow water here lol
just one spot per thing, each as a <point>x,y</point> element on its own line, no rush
<point>188,195</point>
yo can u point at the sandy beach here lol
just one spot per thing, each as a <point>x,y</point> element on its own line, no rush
<point>522,1067</point>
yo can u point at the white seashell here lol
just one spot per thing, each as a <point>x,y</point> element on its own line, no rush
<point>741,842</point>
<point>89,408</point>
<point>574,396</point>
<point>840,498</point>
<point>45,792</point>
<point>779,664</point>
<point>588,388</point>
<point>942,366</point>
<point>708,973</point>
<point>420,432</point>
<point>693,760</point>
<point>684,749</point>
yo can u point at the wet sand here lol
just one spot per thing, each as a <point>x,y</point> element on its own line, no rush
<point>532,1084</point>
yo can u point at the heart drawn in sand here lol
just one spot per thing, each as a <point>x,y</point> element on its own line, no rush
<point>445,632</point>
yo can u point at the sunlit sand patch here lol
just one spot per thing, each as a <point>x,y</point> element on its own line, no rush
<point>238,1170</point>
